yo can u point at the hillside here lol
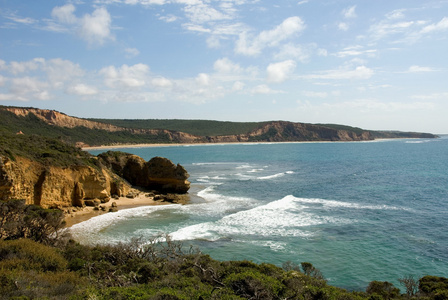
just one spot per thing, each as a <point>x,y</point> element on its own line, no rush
<point>96,132</point>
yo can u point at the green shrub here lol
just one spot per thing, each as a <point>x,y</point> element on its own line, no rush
<point>253,284</point>
<point>384,289</point>
<point>38,257</point>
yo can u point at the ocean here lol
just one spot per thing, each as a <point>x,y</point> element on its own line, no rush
<point>358,211</point>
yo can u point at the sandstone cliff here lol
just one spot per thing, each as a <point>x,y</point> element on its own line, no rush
<point>52,186</point>
<point>61,187</point>
<point>159,173</point>
<point>59,119</point>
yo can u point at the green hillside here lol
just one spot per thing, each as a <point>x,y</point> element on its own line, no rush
<point>195,127</point>
<point>32,125</point>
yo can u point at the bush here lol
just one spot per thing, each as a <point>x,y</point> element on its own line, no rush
<point>18,220</point>
<point>30,255</point>
<point>384,289</point>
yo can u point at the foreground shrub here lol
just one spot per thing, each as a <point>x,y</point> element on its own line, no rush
<point>32,270</point>
<point>19,220</point>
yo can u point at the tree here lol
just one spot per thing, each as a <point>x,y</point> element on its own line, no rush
<point>384,289</point>
<point>410,284</point>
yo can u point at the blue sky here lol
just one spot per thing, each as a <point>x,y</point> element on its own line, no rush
<point>373,64</point>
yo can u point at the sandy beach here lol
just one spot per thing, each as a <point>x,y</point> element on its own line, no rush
<point>103,147</point>
<point>78,215</point>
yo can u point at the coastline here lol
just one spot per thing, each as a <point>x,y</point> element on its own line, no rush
<point>88,212</point>
<point>146,145</point>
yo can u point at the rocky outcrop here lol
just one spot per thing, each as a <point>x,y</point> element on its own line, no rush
<point>51,186</point>
<point>159,173</point>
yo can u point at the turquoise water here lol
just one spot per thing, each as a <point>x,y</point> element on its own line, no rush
<point>358,211</point>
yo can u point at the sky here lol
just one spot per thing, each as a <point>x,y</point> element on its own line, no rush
<point>374,64</point>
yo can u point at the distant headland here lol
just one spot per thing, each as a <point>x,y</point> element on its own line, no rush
<point>110,132</point>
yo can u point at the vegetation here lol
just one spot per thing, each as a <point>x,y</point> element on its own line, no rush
<point>44,266</point>
<point>195,127</point>
<point>31,125</point>
<point>48,151</point>
<point>356,130</point>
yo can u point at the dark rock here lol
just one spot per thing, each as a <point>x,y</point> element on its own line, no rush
<point>131,195</point>
<point>159,173</point>
<point>113,209</point>
<point>92,202</point>
<point>114,204</point>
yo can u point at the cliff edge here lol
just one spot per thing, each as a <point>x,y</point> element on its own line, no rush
<point>52,174</point>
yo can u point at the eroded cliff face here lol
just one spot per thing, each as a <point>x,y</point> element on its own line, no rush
<point>159,173</point>
<point>62,120</point>
<point>50,186</point>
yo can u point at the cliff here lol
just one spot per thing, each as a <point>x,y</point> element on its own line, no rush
<point>51,173</point>
<point>53,186</point>
<point>83,132</point>
<point>158,173</point>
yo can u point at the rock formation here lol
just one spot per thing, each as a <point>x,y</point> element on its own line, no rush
<point>158,174</point>
<point>51,186</point>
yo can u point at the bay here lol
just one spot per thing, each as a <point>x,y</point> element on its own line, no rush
<point>358,211</point>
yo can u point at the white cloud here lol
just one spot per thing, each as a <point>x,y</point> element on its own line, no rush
<point>125,76</point>
<point>131,52</point>
<point>315,94</point>
<point>169,18</point>
<point>225,65</point>
<point>203,79</point>
<point>202,13</point>
<point>264,89</point>
<point>434,96</point>
<point>82,90</point>
<point>395,15</point>
<point>360,72</point>
<point>25,66</point>
<point>279,72</point>
<point>269,38</point>
<point>322,52</point>
<point>29,87</point>
<point>297,52</point>
<point>196,27</point>
<point>343,26</point>
<point>440,26</point>
<point>162,82</point>
<point>238,86</point>
<point>60,71</point>
<point>25,21</point>
<point>384,29</point>
<point>65,14</point>
<point>416,69</point>
<point>349,12</point>
<point>95,28</point>
<point>355,51</point>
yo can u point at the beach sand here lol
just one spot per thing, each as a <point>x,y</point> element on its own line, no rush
<point>83,214</point>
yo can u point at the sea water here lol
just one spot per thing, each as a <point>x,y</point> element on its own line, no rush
<point>358,211</point>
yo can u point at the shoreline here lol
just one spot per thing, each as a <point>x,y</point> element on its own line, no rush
<point>146,145</point>
<point>76,216</point>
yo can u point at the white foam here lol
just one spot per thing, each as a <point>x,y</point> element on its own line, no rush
<point>88,230</point>
<point>284,217</point>
<point>334,203</point>
<point>255,170</point>
<point>275,175</point>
